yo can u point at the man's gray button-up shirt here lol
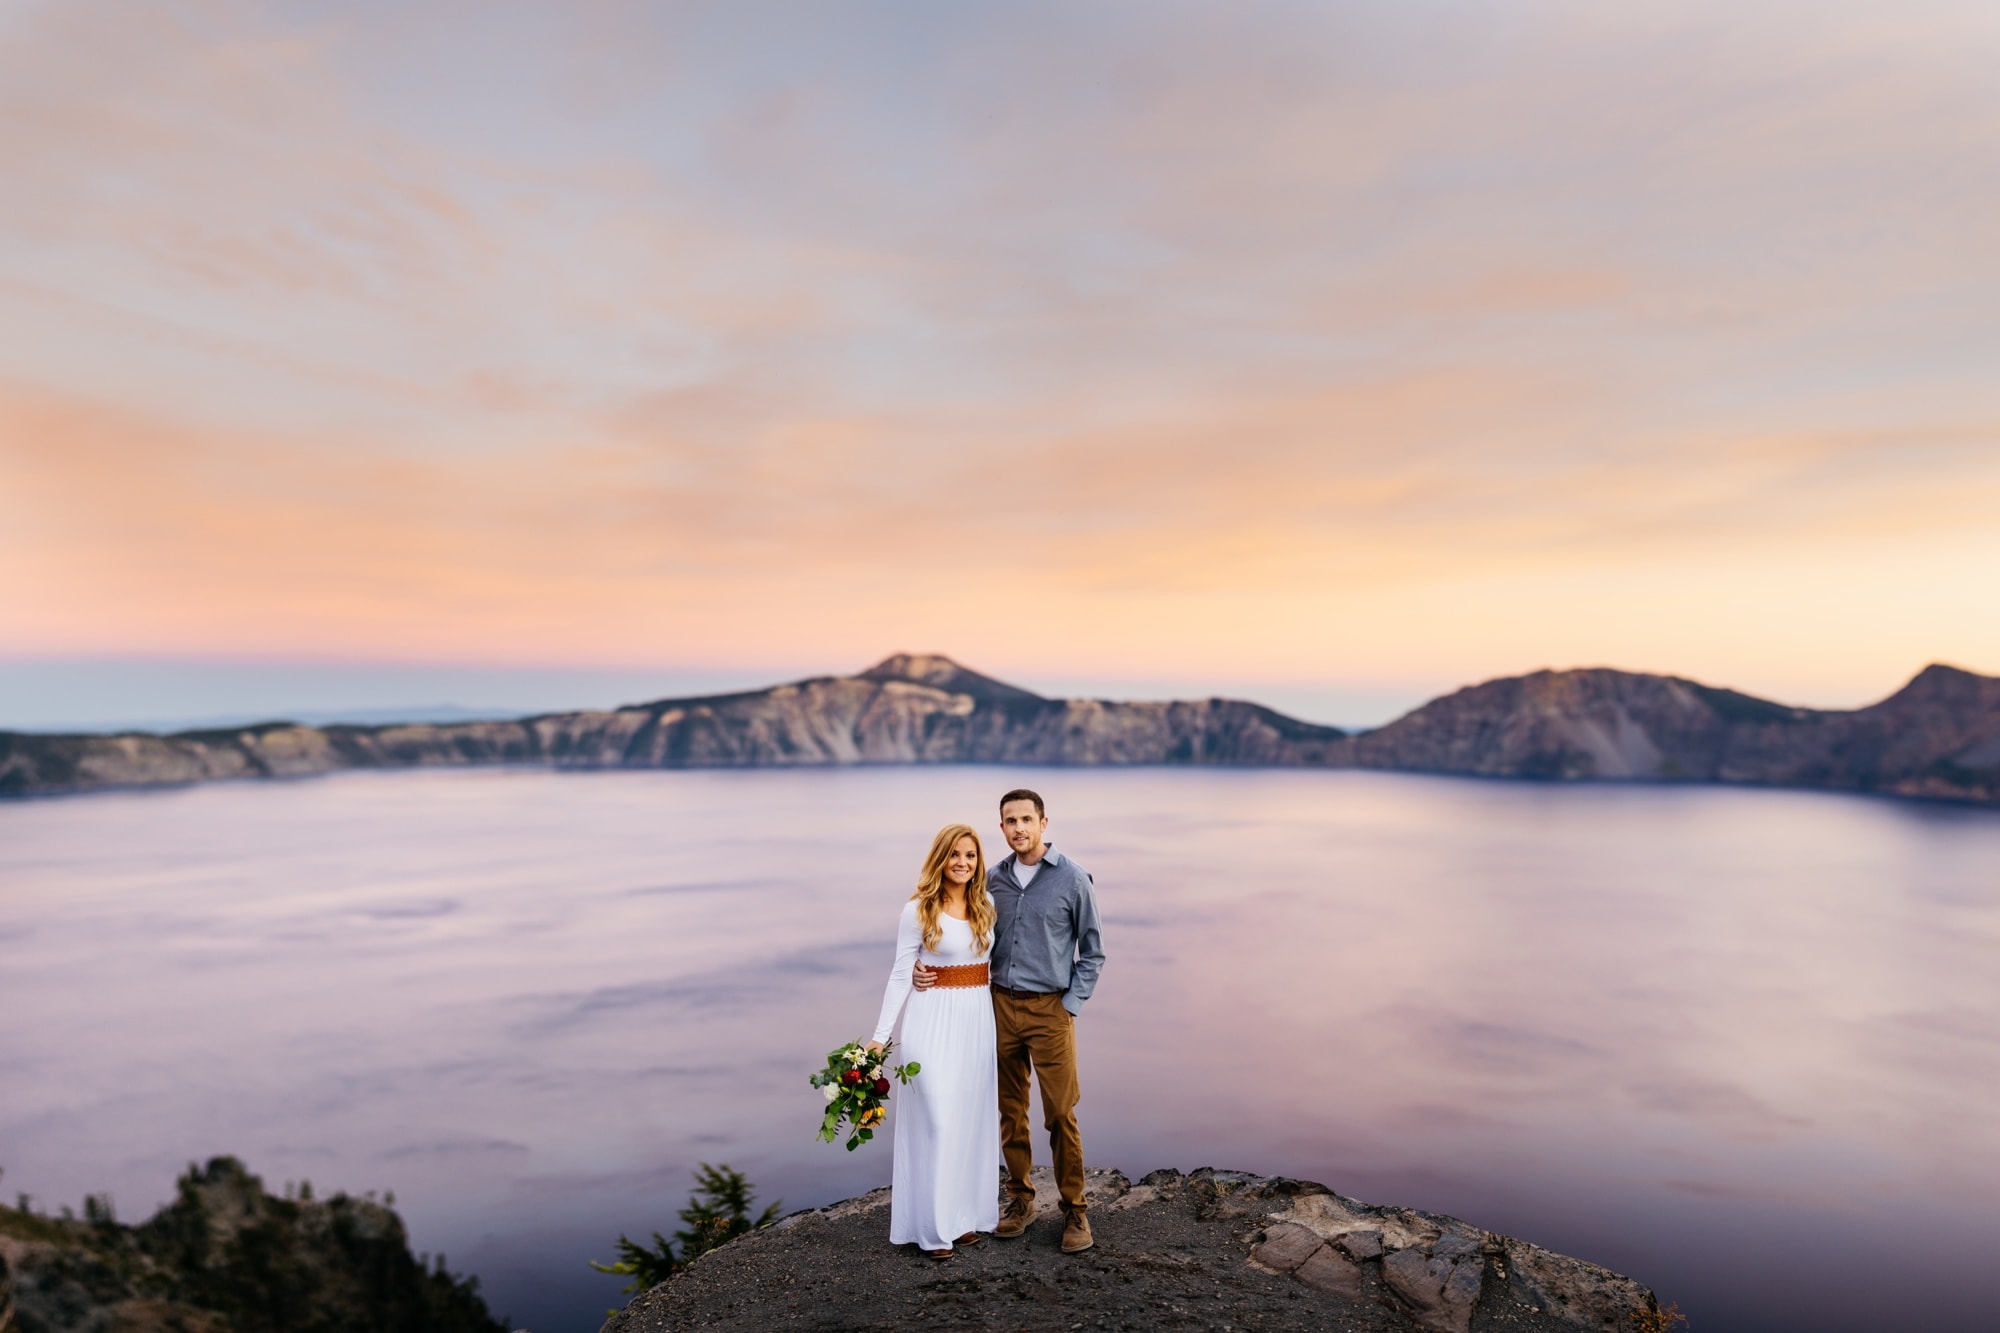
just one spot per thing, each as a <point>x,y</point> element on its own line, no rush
<point>1046,937</point>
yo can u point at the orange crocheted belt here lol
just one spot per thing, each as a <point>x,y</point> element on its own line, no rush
<point>964,974</point>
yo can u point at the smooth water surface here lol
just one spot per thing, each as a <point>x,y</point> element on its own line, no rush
<point>1743,1045</point>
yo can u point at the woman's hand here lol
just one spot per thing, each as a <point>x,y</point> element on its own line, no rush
<point>874,1045</point>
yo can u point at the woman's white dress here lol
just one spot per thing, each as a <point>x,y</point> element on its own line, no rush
<point>947,1170</point>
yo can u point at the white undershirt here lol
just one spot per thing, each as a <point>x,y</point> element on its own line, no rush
<point>1024,873</point>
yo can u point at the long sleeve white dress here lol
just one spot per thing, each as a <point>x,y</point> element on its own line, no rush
<point>946,1179</point>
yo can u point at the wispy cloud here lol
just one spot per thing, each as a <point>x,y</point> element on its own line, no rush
<point>1281,342</point>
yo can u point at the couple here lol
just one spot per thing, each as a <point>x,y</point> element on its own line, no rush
<point>999,968</point>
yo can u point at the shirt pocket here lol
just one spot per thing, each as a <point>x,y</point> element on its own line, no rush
<point>1049,913</point>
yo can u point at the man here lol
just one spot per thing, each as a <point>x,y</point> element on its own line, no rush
<point>1047,952</point>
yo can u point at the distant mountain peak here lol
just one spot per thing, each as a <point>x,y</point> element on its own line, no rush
<point>1941,683</point>
<point>941,673</point>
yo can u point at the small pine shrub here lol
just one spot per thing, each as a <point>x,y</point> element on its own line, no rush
<point>717,1212</point>
<point>1658,1320</point>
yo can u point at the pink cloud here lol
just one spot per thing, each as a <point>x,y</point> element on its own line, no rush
<point>1234,343</point>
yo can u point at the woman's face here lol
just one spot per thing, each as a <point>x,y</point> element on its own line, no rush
<point>960,861</point>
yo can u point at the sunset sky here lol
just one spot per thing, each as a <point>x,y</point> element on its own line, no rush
<point>1330,354</point>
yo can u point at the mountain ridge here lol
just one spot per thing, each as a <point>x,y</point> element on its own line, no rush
<point>1938,737</point>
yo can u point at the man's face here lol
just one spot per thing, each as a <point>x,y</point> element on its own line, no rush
<point>1022,825</point>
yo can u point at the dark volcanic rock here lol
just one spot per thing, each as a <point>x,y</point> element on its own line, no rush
<point>1216,1249</point>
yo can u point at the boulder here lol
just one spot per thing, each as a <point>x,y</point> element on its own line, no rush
<point>1285,1246</point>
<point>1328,1270</point>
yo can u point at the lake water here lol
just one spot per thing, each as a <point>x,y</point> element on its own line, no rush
<point>1742,1045</point>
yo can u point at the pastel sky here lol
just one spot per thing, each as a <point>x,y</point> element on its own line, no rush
<point>1329,353</point>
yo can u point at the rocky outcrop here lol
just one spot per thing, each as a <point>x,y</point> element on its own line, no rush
<point>1206,1250</point>
<point>225,1257</point>
<point>1937,737</point>
<point>8,1323</point>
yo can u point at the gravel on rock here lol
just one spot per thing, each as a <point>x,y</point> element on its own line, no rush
<point>1175,1252</point>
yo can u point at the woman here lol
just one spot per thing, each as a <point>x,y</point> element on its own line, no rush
<point>948,1117</point>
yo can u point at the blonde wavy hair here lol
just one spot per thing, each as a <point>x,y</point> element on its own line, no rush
<point>929,896</point>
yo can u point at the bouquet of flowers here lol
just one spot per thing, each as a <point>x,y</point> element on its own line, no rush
<point>855,1082</point>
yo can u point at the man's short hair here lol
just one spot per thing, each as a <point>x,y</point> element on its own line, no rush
<point>1023,794</point>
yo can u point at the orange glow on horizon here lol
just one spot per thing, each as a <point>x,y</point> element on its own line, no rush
<point>1303,361</point>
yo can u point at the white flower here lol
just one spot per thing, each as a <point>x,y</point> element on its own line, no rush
<point>831,1091</point>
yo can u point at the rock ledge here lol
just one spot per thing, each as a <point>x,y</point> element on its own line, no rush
<point>1213,1249</point>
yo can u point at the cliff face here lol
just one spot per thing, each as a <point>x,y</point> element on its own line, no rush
<point>1214,1249</point>
<point>904,710</point>
<point>1937,737</point>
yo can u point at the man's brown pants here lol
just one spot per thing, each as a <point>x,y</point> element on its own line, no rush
<point>1035,1033</point>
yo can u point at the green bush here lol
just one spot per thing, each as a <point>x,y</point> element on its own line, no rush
<point>717,1212</point>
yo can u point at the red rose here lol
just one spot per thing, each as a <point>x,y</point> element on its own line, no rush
<point>882,1085</point>
<point>851,1077</point>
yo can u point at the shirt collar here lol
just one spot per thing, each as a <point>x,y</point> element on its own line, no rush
<point>1050,857</point>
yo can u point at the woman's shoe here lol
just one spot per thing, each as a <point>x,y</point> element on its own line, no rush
<point>969,1238</point>
<point>939,1255</point>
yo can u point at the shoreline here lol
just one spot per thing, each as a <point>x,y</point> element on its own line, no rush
<point>1937,739</point>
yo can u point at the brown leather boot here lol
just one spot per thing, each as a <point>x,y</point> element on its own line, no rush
<point>1015,1220</point>
<point>1076,1234</point>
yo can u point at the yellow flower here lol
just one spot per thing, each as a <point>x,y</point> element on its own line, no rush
<point>873,1116</point>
